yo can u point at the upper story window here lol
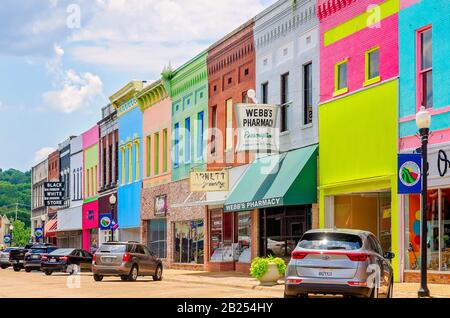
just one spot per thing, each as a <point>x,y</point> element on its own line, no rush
<point>340,78</point>
<point>177,144</point>
<point>213,129</point>
<point>307,94</point>
<point>284,101</point>
<point>425,79</point>
<point>372,67</point>
<point>265,92</point>
<point>187,140</point>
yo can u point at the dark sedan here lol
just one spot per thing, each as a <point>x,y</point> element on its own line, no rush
<point>32,259</point>
<point>67,260</point>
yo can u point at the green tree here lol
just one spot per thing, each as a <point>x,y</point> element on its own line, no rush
<point>20,234</point>
<point>15,187</point>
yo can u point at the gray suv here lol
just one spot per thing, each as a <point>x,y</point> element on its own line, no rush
<point>339,262</point>
<point>127,260</point>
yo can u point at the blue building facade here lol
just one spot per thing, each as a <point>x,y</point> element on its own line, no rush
<point>130,160</point>
<point>424,47</point>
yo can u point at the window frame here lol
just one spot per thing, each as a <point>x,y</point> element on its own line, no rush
<point>419,71</point>
<point>367,80</point>
<point>304,68</point>
<point>339,91</point>
<point>176,145</point>
<point>149,156</point>
<point>200,134</point>
<point>187,140</point>
<point>284,101</point>
<point>156,153</point>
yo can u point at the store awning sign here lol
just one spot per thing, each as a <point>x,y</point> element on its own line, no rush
<point>409,173</point>
<point>256,126</point>
<point>209,181</point>
<point>257,204</point>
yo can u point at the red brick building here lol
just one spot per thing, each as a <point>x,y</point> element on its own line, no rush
<point>231,73</point>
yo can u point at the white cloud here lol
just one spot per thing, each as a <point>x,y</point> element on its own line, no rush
<point>154,31</point>
<point>42,153</point>
<point>78,91</point>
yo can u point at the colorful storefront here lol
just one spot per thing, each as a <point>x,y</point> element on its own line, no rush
<point>358,127</point>
<point>90,189</point>
<point>130,160</point>
<point>424,69</point>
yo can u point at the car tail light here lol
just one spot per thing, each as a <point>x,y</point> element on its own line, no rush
<point>63,258</point>
<point>94,258</point>
<point>356,283</point>
<point>294,281</point>
<point>126,257</point>
<point>299,255</point>
<point>44,258</point>
<point>358,257</point>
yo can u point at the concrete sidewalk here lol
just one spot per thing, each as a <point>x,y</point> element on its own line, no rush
<point>238,280</point>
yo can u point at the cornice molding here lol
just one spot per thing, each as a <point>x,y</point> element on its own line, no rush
<point>326,8</point>
<point>151,95</point>
<point>126,93</point>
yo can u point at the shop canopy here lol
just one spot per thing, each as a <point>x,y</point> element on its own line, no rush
<point>284,179</point>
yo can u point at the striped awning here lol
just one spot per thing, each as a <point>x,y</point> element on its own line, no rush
<point>51,227</point>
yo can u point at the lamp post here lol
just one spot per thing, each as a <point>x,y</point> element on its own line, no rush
<point>43,227</point>
<point>112,203</point>
<point>11,228</point>
<point>423,121</point>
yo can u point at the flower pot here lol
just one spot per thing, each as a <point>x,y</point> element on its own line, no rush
<point>271,277</point>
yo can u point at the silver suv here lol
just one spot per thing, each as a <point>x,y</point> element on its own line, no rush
<point>339,262</point>
<point>127,260</point>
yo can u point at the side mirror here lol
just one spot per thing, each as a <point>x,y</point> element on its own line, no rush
<point>389,255</point>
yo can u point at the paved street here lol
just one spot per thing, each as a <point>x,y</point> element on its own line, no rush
<point>176,284</point>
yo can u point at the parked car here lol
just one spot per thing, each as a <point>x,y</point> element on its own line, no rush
<point>17,256</point>
<point>4,257</point>
<point>127,260</point>
<point>32,260</point>
<point>68,260</point>
<point>339,262</point>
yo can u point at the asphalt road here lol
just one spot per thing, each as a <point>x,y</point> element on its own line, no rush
<point>37,285</point>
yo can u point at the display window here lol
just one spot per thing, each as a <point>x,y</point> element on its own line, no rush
<point>189,242</point>
<point>157,237</point>
<point>438,230</point>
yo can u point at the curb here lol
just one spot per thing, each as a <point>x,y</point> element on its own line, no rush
<point>251,287</point>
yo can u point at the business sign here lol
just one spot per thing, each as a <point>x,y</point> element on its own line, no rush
<point>409,173</point>
<point>7,238</point>
<point>257,204</point>
<point>105,222</point>
<point>161,205</point>
<point>54,193</point>
<point>256,126</point>
<point>38,233</point>
<point>209,181</point>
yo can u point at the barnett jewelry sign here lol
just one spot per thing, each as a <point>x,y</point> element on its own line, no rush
<point>256,126</point>
<point>208,181</point>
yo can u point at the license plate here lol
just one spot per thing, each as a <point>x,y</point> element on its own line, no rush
<point>34,256</point>
<point>53,260</point>
<point>325,274</point>
<point>108,260</point>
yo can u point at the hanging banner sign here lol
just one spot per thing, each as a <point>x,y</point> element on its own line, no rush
<point>256,126</point>
<point>54,194</point>
<point>209,181</point>
<point>7,239</point>
<point>409,173</point>
<point>105,222</point>
<point>38,233</point>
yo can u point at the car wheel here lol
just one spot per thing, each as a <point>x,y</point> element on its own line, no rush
<point>134,273</point>
<point>158,273</point>
<point>98,278</point>
<point>48,273</point>
<point>16,268</point>
<point>27,270</point>
<point>124,278</point>
<point>4,267</point>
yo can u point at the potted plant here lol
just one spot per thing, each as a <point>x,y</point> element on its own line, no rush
<point>268,270</point>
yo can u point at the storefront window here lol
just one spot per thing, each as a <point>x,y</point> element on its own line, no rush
<point>157,237</point>
<point>94,239</point>
<point>244,237</point>
<point>438,231</point>
<point>282,228</point>
<point>189,242</point>
<point>366,211</point>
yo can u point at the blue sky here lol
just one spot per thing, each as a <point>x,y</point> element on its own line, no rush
<point>61,59</point>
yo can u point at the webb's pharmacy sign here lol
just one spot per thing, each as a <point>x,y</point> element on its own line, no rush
<point>256,127</point>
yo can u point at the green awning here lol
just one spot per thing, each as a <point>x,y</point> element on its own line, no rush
<point>284,179</point>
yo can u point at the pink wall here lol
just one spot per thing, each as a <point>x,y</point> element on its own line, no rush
<point>354,47</point>
<point>163,112</point>
<point>90,137</point>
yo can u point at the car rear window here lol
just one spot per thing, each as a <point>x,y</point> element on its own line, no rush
<point>62,251</point>
<point>38,250</point>
<point>112,248</point>
<point>330,241</point>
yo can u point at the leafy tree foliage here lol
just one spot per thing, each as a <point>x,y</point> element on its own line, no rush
<point>15,187</point>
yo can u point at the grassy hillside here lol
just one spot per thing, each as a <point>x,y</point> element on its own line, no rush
<point>15,187</point>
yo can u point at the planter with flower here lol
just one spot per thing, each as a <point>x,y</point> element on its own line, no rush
<point>268,270</point>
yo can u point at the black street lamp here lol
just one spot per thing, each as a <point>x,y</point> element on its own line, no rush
<point>11,228</point>
<point>423,121</point>
<point>112,203</point>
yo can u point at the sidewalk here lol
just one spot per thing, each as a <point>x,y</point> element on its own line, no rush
<point>238,280</point>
